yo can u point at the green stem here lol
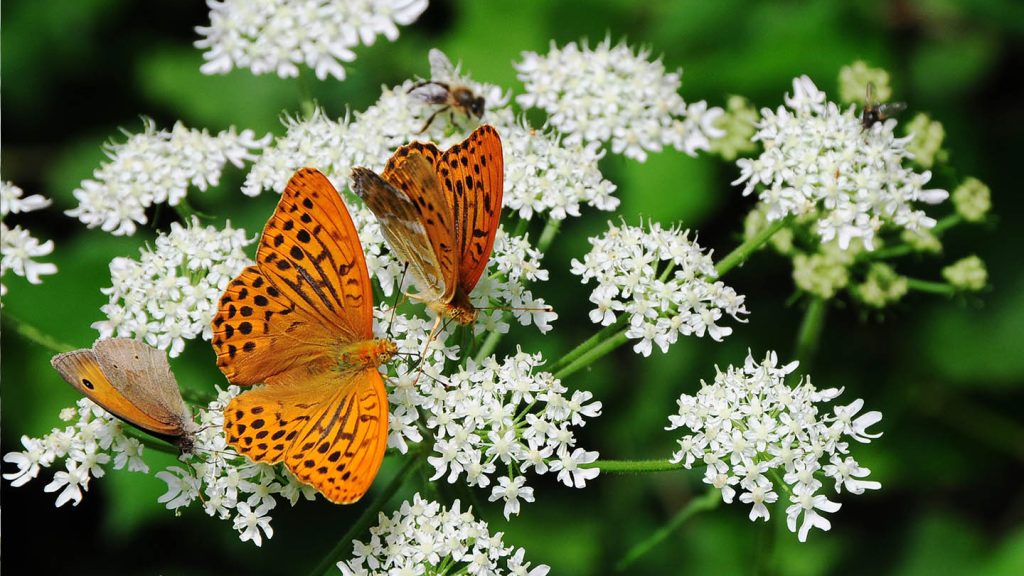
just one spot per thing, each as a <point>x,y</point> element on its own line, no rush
<point>708,501</point>
<point>888,253</point>
<point>185,211</point>
<point>634,466</point>
<point>488,346</point>
<point>306,103</point>
<point>327,565</point>
<point>946,223</point>
<point>548,234</point>
<point>589,343</point>
<point>810,332</point>
<point>521,227</point>
<point>930,287</point>
<point>594,354</point>
<point>33,334</point>
<point>743,251</point>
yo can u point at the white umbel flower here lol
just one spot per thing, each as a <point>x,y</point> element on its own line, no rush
<point>818,159</point>
<point>749,427</point>
<point>277,36</point>
<point>18,248</point>
<point>157,166</point>
<point>662,280</point>
<point>497,420</point>
<point>422,537</point>
<point>613,94</point>
<point>170,293</point>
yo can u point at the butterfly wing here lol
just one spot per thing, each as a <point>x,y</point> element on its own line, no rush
<point>309,291</point>
<point>472,173</point>
<point>331,430</point>
<point>414,216</point>
<point>81,369</point>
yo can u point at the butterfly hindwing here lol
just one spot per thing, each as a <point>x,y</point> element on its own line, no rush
<point>330,431</point>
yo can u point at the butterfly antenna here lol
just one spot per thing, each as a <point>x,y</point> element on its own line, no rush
<point>398,294</point>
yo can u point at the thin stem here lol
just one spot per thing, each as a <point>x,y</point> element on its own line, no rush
<point>743,251</point>
<point>708,501</point>
<point>521,227</point>
<point>946,223</point>
<point>369,515</point>
<point>930,287</point>
<point>634,466</point>
<point>810,332</point>
<point>306,103</point>
<point>33,334</point>
<point>594,354</point>
<point>589,343</point>
<point>185,211</point>
<point>488,346</point>
<point>548,234</point>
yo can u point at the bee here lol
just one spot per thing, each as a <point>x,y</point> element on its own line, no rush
<point>446,90</point>
<point>874,112</point>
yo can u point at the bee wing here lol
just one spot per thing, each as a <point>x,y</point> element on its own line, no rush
<point>441,68</point>
<point>432,93</point>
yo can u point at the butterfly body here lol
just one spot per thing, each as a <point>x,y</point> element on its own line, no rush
<point>134,382</point>
<point>300,322</point>
<point>439,212</point>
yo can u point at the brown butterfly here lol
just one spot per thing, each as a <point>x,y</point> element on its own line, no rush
<point>440,213</point>
<point>134,382</point>
<point>300,321</point>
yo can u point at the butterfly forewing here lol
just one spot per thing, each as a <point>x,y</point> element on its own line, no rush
<point>415,219</point>
<point>331,430</point>
<point>472,174</point>
<point>310,251</point>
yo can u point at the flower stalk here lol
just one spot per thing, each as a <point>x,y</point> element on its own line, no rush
<point>708,501</point>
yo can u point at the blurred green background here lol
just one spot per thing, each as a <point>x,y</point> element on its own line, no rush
<point>948,375</point>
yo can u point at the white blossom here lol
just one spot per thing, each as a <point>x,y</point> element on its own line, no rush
<point>170,293</point>
<point>662,281</point>
<point>18,247</point>
<point>750,428</point>
<point>277,36</point>
<point>819,160</point>
<point>613,94</point>
<point>492,421</point>
<point>422,537</point>
<point>157,166</point>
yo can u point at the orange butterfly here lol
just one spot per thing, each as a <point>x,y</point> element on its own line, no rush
<point>440,213</point>
<point>301,322</point>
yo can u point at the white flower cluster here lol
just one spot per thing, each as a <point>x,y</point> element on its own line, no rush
<point>276,36</point>
<point>543,174</point>
<point>423,537</point>
<point>170,293</point>
<point>154,167</point>
<point>610,93</point>
<point>514,262</point>
<point>819,159</point>
<point>17,246</point>
<point>86,447</point>
<point>546,175</point>
<point>229,486</point>
<point>750,426</point>
<point>503,415</point>
<point>662,280</point>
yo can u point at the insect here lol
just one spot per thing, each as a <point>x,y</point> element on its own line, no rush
<point>874,112</point>
<point>300,322</point>
<point>440,213</point>
<point>134,382</point>
<point>447,91</point>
